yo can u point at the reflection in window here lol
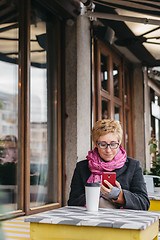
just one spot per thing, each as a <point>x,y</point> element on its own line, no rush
<point>9,36</point>
<point>116,113</point>
<point>157,121</point>
<point>104,72</point>
<point>116,79</point>
<point>157,129</point>
<point>126,134</point>
<point>126,81</point>
<point>104,109</point>
<point>43,112</point>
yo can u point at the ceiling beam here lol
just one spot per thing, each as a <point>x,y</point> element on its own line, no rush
<point>95,15</point>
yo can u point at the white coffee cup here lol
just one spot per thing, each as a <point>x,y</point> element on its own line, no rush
<point>92,193</point>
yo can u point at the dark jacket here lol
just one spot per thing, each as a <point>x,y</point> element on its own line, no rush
<point>130,177</point>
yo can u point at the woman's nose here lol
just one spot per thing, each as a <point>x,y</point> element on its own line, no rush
<point>108,149</point>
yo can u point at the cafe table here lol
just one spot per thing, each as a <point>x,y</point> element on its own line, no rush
<point>154,200</point>
<point>76,223</point>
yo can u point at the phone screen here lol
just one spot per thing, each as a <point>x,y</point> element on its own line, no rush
<point>110,177</point>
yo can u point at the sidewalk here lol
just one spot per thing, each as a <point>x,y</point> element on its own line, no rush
<point>16,229</point>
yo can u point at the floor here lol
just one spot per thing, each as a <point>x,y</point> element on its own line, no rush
<point>16,229</point>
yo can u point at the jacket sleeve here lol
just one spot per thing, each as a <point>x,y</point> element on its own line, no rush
<point>136,197</point>
<point>77,193</point>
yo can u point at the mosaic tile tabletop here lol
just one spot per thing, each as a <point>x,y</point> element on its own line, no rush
<point>155,195</point>
<point>114,218</point>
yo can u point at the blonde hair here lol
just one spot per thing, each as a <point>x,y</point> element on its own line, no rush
<point>103,127</point>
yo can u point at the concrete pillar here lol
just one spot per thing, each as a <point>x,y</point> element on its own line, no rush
<point>138,104</point>
<point>70,147</point>
<point>83,87</point>
<point>147,119</point>
<point>78,95</point>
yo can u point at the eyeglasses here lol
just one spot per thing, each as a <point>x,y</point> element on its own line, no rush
<point>104,145</point>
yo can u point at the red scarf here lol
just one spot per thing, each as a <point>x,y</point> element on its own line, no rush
<point>97,166</point>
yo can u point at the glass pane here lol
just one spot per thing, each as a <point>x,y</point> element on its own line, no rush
<point>126,134</point>
<point>116,113</point>
<point>104,109</point>
<point>126,87</point>
<point>116,79</point>
<point>104,72</point>
<point>9,36</point>
<point>157,130</point>
<point>157,121</point>
<point>43,112</point>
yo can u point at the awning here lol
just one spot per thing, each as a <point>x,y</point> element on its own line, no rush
<point>149,7</point>
<point>136,25</point>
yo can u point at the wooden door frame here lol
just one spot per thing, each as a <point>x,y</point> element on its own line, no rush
<point>99,94</point>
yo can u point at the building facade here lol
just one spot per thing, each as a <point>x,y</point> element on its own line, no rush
<point>59,76</point>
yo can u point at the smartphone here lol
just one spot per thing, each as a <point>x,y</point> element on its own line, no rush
<point>110,177</point>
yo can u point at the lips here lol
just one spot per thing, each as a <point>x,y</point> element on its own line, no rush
<point>107,156</point>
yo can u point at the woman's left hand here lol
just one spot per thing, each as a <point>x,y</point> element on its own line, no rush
<point>111,191</point>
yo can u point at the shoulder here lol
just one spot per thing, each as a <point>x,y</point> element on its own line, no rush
<point>133,162</point>
<point>82,164</point>
<point>82,169</point>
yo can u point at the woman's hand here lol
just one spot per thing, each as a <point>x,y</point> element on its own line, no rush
<point>106,190</point>
<point>111,192</point>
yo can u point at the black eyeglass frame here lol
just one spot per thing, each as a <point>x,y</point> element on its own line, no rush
<point>106,145</point>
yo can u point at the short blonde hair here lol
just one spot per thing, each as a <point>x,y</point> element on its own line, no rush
<point>103,127</point>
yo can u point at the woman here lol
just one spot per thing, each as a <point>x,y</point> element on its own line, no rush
<point>109,156</point>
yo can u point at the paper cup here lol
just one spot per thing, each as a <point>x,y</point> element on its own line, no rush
<point>92,193</point>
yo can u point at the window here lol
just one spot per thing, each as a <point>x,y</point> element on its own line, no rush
<point>104,109</point>
<point>117,113</point>
<point>104,72</point>
<point>116,80</point>
<point>9,142</point>
<point>112,95</point>
<point>44,91</point>
<point>155,114</point>
<point>30,110</point>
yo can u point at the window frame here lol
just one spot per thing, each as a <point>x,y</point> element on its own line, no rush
<point>24,100</point>
<point>99,94</point>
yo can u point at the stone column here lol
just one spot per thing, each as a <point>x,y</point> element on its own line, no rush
<point>78,95</point>
<point>83,87</point>
<point>138,103</point>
